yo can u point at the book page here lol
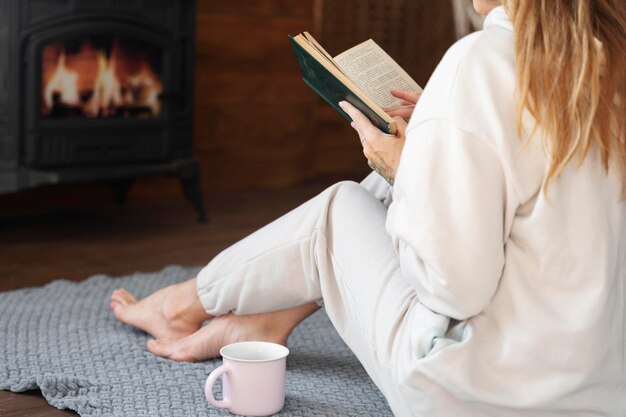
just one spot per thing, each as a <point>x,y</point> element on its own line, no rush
<point>309,38</point>
<point>375,72</point>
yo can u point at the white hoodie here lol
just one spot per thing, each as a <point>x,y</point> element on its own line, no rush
<point>537,279</point>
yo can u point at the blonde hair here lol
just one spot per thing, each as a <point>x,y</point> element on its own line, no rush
<point>571,75</point>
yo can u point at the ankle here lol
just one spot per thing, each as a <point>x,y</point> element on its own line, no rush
<point>183,305</point>
<point>281,323</point>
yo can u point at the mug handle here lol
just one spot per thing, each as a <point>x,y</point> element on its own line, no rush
<point>208,387</point>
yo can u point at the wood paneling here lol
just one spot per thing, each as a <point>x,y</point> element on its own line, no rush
<point>257,124</point>
<point>253,112</point>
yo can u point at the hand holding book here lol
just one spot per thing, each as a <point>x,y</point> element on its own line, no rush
<point>382,150</point>
<point>408,100</point>
<point>363,75</point>
<point>359,83</point>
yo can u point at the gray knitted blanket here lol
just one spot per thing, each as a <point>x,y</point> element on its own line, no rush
<point>63,339</point>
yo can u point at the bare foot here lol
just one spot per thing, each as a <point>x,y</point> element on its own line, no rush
<point>230,328</point>
<point>171,312</point>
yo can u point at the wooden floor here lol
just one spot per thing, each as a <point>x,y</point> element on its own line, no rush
<point>75,243</point>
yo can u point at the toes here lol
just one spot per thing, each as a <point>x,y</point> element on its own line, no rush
<point>178,350</point>
<point>129,314</point>
<point>159,347</point>
<point>116,295</point>
<point>146,315</point>
<point>120,311</point>
<point>198,346</point>
<point>123,297</point>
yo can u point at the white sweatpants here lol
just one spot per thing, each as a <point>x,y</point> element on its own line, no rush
<point>333,248</point>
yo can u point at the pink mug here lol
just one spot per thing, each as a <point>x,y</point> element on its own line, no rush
<point>253,382</point>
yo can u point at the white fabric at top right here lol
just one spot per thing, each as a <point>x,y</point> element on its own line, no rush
<point>536,278</point>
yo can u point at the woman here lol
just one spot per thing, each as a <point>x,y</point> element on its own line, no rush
<point>491,279</point>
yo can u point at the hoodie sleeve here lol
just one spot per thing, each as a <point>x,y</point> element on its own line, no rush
<point>447,218</point>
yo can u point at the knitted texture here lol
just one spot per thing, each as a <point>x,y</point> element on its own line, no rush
<point>63,339</point>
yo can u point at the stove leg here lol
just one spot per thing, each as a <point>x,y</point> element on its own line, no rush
<point>192,188</point>
<point>120,189</point>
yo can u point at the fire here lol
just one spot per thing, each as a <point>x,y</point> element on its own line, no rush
<point>92,83</point>
<point>107,93</point>
<point>145,88</point>
<point>63,86</point>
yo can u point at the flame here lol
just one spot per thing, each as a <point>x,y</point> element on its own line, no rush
<point>63,83</point>
<point>121,84</point>
<point>107,92</point>
<point>146,89</point>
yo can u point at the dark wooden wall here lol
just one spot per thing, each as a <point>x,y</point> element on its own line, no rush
<point>253,112</point>
<point>256,123</point>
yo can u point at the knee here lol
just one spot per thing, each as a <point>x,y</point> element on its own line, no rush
<point>346,186</point>
<point>348,192</point>
<point>351,204</point>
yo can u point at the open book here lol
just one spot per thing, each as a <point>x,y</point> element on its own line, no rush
<point>363,75</point>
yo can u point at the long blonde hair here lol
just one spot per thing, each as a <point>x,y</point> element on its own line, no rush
<point>571,76</point>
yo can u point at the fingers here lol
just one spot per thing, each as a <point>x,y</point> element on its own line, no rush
<point>361,135</point>
<point>409,96</point>
<point>401,125</point>
<point>401,122</point>
<point>374,140</point>
<point>355,114</point>
<point>407,103</point>
<point>360,123</point>
<point>404,112</point>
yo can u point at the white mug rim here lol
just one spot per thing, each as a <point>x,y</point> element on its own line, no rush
<point>281,354</point>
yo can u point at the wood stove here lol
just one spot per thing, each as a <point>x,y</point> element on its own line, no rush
<point>97,90</point>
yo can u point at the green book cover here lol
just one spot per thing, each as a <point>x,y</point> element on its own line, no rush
<point>331,89</point>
